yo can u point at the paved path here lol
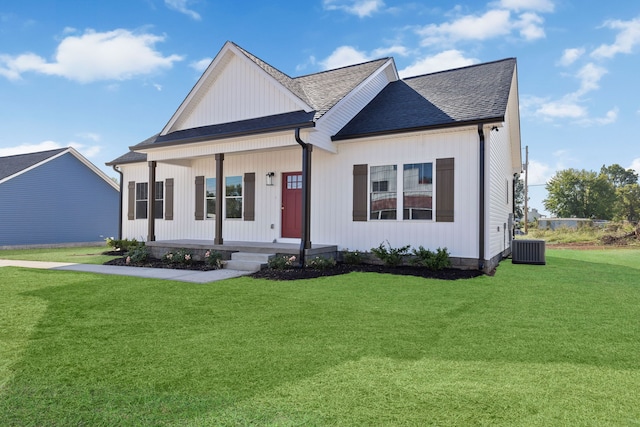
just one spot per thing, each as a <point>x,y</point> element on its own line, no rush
<point>152,273</point>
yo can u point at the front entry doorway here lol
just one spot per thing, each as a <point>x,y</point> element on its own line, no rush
<point>292,204</point>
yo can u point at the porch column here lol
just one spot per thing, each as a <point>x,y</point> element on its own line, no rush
<point>218,240</point>
<point>151,203</point>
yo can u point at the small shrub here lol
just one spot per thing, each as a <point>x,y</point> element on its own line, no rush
<point>138,255</point>
<point>213,259</point>
<point>391,257</point>
<point>320,263</point>
<point>282,262</point>
<point>352,257</point>
<point>432,260</point>
<point>181,256</point>
<point>124,245</point>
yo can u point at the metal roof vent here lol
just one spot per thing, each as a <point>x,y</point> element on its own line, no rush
<point>528,252</point>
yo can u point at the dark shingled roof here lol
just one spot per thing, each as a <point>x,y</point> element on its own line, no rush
<point>264,124</point>
<point>323,90</point>
<point>453,97</point>
<point>11,165</point>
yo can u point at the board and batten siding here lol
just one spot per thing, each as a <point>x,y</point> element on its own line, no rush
<point>499,192</point>
<point>266,224</point>
<point>241,91</point>
<point>60,201</point>
<point>332,192</point>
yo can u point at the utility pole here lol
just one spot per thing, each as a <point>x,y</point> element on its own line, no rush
<point>526,190</point>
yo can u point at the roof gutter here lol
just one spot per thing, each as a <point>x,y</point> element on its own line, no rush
<point>214,137</point>
<point>498,119</point>
<point>481,196</point>
<point>305,241</point>
<point>119,172</point>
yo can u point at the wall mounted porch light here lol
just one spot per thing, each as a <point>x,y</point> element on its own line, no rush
<point>269,177</point>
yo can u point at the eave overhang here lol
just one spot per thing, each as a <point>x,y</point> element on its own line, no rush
<point>449,125</point>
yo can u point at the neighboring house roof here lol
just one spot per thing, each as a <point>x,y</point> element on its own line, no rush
<point>12,166</point>
<point>453,97</point>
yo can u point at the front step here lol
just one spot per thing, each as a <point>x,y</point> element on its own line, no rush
<point>246,261</point>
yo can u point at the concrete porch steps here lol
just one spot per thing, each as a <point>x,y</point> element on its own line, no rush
<point>248,261</point>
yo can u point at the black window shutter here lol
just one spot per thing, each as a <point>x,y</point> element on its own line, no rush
<point>168,199</point>
<point>249,196</point>
<point>131,205</point>
<point>360,174</point>
<point>199,214</point>
<point>445,190</point>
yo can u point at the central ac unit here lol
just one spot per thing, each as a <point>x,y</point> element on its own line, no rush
<point>528,252</point>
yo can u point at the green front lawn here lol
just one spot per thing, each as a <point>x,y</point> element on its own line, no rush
<point>78,255</point>
<point>533,345</point>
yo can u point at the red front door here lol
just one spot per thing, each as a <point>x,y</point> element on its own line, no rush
<point>292,204</point>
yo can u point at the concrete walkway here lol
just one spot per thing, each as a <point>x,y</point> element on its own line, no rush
<point>191,276</point>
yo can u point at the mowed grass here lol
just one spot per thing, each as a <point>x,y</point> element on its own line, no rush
<point>79,255</point>
<point>532,346</point>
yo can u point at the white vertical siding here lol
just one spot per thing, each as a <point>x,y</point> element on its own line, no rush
<point>241,91</point>
<point>332,193</point>
<point>499,191</point>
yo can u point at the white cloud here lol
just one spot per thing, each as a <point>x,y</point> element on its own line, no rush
<point>360,8</point>
<point>610,117</point>
<point>539,173</point>
<point>530,26</point>
<point>390,51</point>
<point>589,77</point>
<point>86,150</point>
<point>442,61</point>
<point>92,56</point>
<point>569,56</point>
<point>343,56</point>
<point>492,24</point>
<point>29,148</point>
<point>90,135</point>
<point>635,165</point>
<point>201,65</point>
<point>561,109</point>
<point>628,37</point>
<point>518,5</point>
<point>181,6</point>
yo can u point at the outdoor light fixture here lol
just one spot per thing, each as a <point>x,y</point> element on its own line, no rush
<point>270,176</point>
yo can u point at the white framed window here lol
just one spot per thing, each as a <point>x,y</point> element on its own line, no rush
<point>142,200</point>
<point>417,196</point>
<point>383,198</point>
<point>210,198</point>
<point>233,197</point>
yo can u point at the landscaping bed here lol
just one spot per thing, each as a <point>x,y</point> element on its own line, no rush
<point>310,273</point>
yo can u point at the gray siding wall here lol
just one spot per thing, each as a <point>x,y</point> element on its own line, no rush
<point>61,201</point>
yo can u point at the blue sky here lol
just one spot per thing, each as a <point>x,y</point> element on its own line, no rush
<point>104,75</point>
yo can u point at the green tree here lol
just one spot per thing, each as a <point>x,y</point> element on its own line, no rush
<point>519,198</point>
<point>581,194</point>
<point>619,176</point>
<point>628,203</point>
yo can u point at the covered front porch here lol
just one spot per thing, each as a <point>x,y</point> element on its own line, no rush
<point>159,248</point>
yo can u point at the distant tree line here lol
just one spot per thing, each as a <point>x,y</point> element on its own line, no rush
<point>612,194</point>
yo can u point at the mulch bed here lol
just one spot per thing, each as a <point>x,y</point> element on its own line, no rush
<point>309,273</point>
